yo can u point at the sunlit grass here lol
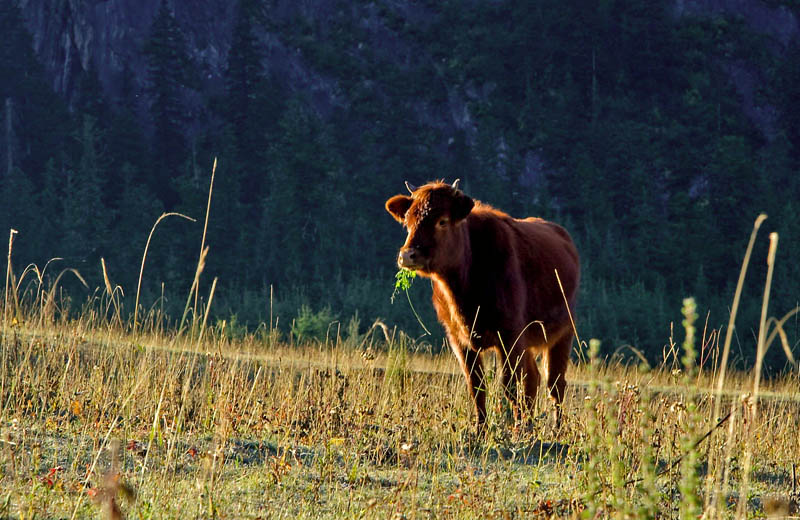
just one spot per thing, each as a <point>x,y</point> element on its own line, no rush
<point>251,427</point>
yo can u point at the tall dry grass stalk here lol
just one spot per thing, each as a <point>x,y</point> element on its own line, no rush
<point>751,403</point>
<point>9,278</point>
<point>3,375</point>
<point>205,222</point>
<point>580,350</point>
<point>206,313</point>
<point>712,494</point>
<point>50,300</point>
<point>111,294</point>
<point>726,348</point>
<point>201,265</point>
<point>135,324</point>
<point>194,291</point>
<point>762,326</point>
<point>42,293</point>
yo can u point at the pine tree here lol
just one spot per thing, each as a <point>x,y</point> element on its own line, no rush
<point>242,80</point>
<point>38,120</point>
<point>169,73</point>
<point>85,219</point>
<point>19,210</point>
<point>89,93</point>
<point>16,53</point>
<point>137,210</point>
<point>125,142</point>
<point>302,209</point>
<point>253,105</point>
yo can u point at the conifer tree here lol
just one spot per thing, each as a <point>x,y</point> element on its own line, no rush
<point>169,73</point>
<point>136,212</point>
<point>19,210</point>
<point>89,94</point>
<point>38,118</point>
<point>253,105</point>
<point>125,142</point>
<point>303,206</point>
<point>242,80</point>
<point>85,220</point>
<point>16,53</point>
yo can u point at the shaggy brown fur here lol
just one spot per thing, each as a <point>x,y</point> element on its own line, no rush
<point>494,287</point>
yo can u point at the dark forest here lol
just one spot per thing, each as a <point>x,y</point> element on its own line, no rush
<point>655,138</point>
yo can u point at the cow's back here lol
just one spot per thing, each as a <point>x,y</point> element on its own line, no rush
<point>513,264</point>
<point>544,248</point>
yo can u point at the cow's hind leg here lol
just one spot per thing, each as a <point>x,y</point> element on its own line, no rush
<point>556,361</point>
<point>508,366</point>
<point>527,375</point>
<point>472,366</point>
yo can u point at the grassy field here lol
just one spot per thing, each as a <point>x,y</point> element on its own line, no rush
<point>98,422</point>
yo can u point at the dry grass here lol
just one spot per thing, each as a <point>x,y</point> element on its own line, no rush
<point>256,428</point>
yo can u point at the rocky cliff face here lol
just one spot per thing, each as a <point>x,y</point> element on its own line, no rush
<point>775,21</point>
<point>71,35</point>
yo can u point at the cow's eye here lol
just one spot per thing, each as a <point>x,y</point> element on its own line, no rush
<point>442,222</point>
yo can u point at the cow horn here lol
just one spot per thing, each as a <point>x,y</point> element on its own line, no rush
<point>410,187</point>
<point>455,184</point>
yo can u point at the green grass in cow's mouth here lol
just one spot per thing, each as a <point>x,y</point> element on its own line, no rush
<point>402,280</point>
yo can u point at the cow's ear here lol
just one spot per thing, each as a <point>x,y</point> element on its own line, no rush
<point>398,206</point>
<point>461,207</point>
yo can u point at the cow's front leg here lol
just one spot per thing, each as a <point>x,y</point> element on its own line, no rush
<point>472,366</point>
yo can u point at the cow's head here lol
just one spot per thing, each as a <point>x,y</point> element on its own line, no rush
<point>433,215</point>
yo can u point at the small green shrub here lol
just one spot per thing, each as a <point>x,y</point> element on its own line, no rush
<point>310,325</point>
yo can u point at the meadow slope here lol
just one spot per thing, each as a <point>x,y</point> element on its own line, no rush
<point>101,421</point>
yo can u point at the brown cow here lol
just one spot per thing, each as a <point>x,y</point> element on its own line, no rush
<point>494,287</point>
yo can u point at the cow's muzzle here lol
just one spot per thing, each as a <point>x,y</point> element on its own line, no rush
<point>409,258</point>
